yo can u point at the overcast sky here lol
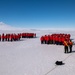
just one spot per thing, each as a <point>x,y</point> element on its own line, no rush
<point>38,13</point>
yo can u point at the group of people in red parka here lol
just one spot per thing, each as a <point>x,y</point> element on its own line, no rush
<point>16,37</point>
<point>57,39</point>
<point>28,35</point>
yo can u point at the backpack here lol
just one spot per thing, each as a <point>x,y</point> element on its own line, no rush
<point>59,63</point>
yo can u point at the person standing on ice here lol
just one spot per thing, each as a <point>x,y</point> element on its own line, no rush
<point>0,37</point>
<point>66,46</point>
<point>3,37</point>
<point>42,40</point>
<point>70,45</point>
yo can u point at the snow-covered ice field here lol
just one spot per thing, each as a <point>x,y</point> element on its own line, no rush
<point>30,57</point>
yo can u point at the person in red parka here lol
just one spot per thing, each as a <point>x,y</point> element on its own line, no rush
<point>18,37</point>
<point>11,37</point>
<point>3,37</point>
<point>56,40</point>
<point>47,39</point>
<point>8,37</point>
<point>22,35</point>
<point>14,36</point>
<point>0,37</point>
<point>51,39</point>
<point>42,39</point>
<point>60,40</point>
<point>63,39</point>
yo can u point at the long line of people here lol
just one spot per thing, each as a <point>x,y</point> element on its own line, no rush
<point>16,37</point>
<point>57,39</point>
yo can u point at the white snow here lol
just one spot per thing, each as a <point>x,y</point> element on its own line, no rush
<point>30,57</point>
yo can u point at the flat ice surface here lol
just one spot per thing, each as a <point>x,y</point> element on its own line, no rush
<point>30,57</point>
